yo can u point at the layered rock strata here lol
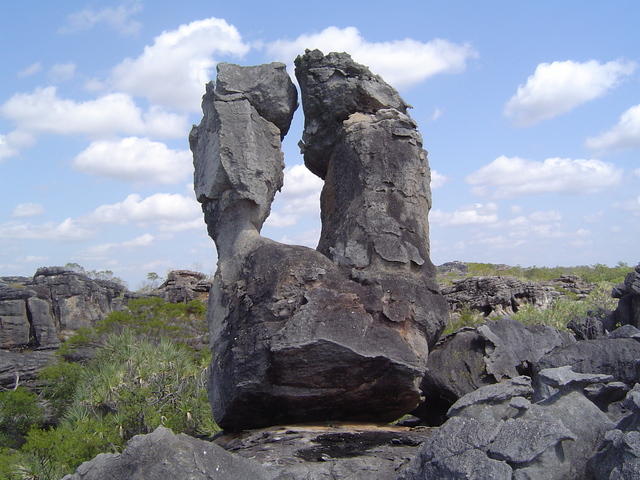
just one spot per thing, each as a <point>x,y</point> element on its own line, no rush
<point>300,335</point>
<point>43,310</point>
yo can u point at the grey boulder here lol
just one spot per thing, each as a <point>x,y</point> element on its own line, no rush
<point>161,455</point>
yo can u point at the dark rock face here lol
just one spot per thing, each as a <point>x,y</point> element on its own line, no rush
<point>474,357</point>
<point>40,311</point>
<point>360,140</point>
<point>334,87</point>
<point>628,311</point>
<point>496,432</point>
<point>619,455</point>
<point>161,455</point>
<point>611,356</point>
<point>304,342</point>
<point>300,335</point>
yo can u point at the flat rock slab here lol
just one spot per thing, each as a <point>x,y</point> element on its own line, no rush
<point>336,451</point>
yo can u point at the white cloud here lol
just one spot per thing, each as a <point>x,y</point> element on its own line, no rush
<point>105,250</point>
<point>299,196</point>
<point>637,172</point>
<point>117,19</point>
<point>624,135</point>
<point>512,177</point>
<point>631,205</point>
<point>62,71</point>
<point>594,217</point>
<point>24,210</point>
<point>43,111</point>
<point>32,259</point>
<point>401,63</point>
<point>546,216</point>
<point>162,209</point>
<point>437,179</point>
<point>67,231</point>
<point>477,214</point>
<point>174,70</point>
<point>308,238</point>
<point>13,142</point>
<point>558,87</point>
<point>30,70</point>
<point>136,160</point>
<point>437,113</point>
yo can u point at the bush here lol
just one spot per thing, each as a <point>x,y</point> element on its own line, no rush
<point>19,412</point>
<point>60,382</point>
<point>562,310</point>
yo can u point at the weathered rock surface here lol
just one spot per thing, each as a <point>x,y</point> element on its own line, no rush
<point>360,140</point>
<point>161,455</point>
<point>628,311</point>
<point>619,455</point>
<point>183,286</point>
<point>21,367</point>
<point>497,296</point>
<point>616,357</point>
<point>337,451</point>
<point>43,310</point>
<point>304,342</point>
<point>334,87</point>
<point>300,335</point>
<point>474,357</point>
<point>496,432</point>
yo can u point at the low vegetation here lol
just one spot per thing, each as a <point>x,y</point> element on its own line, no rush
<point>147,371</point>
<point>562,309</point>
<point>589,273</point>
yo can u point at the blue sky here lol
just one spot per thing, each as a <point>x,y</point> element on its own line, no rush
<point>530,113</point>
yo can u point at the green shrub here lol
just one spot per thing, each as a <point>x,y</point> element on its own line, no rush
<point>148,319</point>
<point>564,309</point>
<point>52,453</point>
<point>19,412</point>
<point>140,385</point>
<point>59,384</point>
<point>466,318</point>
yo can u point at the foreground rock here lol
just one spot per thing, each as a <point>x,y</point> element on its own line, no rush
<point>337,451</point>
<point>161,455</point>
<point>619,455</point>
<point>300,335</point>
<point>474,357</point>
<point>496,432</point>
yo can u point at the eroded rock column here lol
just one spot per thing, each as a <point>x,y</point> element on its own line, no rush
<point>302,335</point>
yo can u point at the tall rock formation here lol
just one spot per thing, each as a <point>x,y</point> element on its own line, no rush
<point>300,335</point>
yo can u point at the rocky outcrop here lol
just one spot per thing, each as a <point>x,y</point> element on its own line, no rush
<point>497,432</point>
<point>43,310</point>
<point>300,335</point>
<point>182,286</point>
<point>628,311</point>
<point>497,296</point>
<point>161,455</point>
<point>475,357</point>
<point>616,356</point>
<point>20,368</point>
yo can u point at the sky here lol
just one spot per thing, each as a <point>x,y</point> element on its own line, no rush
<point>530,112</point>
